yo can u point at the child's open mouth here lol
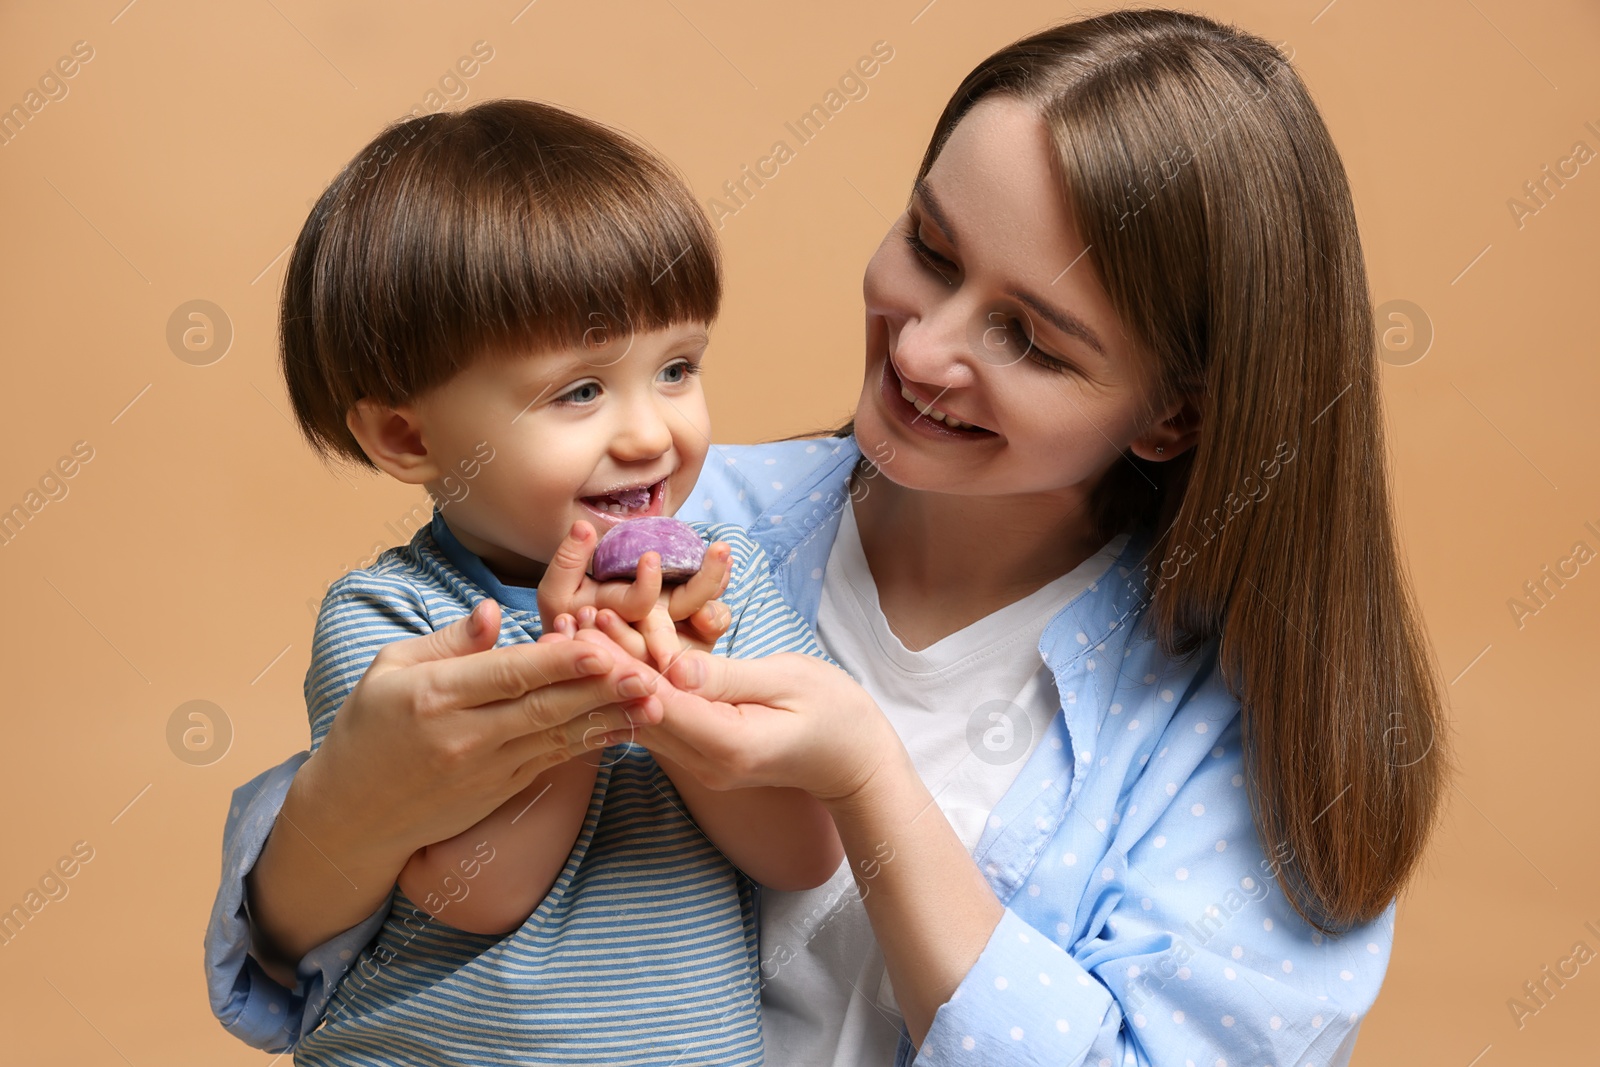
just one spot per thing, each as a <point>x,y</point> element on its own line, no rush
<point>627,502</point>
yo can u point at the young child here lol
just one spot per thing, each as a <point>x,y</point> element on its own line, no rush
<point>508,305</point>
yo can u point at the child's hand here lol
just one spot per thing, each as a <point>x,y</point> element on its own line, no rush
<point>645,618</point>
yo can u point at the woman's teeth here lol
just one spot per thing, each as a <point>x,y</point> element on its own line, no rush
<point>934,413</point>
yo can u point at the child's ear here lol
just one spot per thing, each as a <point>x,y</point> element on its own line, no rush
<point>392,439</point>
<point>1177,430</point>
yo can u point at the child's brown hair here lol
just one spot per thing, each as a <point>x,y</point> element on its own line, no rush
<point>511,226</point>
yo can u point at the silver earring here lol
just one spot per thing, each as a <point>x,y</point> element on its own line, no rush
<point>1159,450</point>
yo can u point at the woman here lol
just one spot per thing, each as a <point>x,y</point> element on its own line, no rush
<point>1141,753</point>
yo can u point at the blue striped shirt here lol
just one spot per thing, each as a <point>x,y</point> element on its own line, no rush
<point>645,950</point>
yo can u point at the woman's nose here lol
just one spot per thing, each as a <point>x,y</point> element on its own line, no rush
<point>935,346</point>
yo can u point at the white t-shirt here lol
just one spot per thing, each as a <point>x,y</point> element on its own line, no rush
<point>970,708</point>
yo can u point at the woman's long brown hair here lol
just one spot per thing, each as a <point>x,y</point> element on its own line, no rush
<point>1219,217</point>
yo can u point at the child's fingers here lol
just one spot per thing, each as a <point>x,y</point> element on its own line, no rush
<point>563,628</point>
<point>704,585</point>
<point>565,574</point>
<point>615,627</point>
<point>661,638</point>
<point>643,592</point>
<point>709,623</point>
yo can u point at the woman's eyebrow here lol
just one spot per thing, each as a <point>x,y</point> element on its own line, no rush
<point>920,191</point>
<point>1066,322</point>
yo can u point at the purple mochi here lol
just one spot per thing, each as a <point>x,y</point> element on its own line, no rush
<point>617,554</point>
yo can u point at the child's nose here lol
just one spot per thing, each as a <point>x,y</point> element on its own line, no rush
<point>642,433</point>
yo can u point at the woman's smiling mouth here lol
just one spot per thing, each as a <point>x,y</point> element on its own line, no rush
<point>934,413</point>
<point>918,414</point>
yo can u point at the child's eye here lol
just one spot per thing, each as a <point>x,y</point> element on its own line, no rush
<point>679,372</point>
<point>587,393</point>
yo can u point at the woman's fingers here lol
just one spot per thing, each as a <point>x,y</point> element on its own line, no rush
<point>507,673</point>
<point>771,680</point>
<point>592,730</point>
<point>476,632</point>
<point>662,741</point>
<point>704,585</point>
<point>566,572</point>
<point>574,718</point>
<point>563,707</point>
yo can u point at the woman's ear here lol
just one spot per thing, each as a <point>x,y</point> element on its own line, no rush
<point>1177,430</point>
<point>392,439</point>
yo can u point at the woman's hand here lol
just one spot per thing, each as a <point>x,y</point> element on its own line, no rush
<point>443,728</point>
<point>440,731</point>
<point>782,720</point>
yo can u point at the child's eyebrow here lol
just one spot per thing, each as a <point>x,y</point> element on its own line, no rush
<point>557,363</point>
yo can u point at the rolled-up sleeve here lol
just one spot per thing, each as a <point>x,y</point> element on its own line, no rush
<point>250,1005</point>
<point>1025,1001</point>
<point>361,613</point>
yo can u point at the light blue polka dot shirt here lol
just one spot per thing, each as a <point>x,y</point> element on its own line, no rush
<point>1143,923</point>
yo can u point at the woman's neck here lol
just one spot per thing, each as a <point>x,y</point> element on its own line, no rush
<point>942,562</point>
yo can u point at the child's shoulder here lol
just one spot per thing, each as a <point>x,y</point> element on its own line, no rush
<point>398,577</point>
<point>745,553</point>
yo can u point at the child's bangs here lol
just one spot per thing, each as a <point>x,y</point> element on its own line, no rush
<point>581,247</point>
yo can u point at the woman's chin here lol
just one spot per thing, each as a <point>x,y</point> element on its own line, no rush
<point>897,460</point>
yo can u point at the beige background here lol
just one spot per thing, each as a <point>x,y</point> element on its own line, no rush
<point>185,559</point>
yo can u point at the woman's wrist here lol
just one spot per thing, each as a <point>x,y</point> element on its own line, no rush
<point>345,825</point>
<point>319,875</point>
<point>930,907</point>
<point>883,783</point>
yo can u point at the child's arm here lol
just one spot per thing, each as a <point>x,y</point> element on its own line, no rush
<point>489,878</point>
<point>783,838</point>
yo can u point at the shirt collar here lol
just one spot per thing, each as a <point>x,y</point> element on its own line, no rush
<point>523,598</point>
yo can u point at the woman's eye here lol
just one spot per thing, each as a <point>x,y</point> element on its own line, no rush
<point>679,372</point>
<point>1021,334</point>
<point>586,393</point>
<point>1031,349</point>
<point>935,262</point>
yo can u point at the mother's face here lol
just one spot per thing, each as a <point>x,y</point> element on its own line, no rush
<point>998,322</point>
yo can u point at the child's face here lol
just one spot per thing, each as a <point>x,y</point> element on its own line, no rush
<point>601,433</point>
